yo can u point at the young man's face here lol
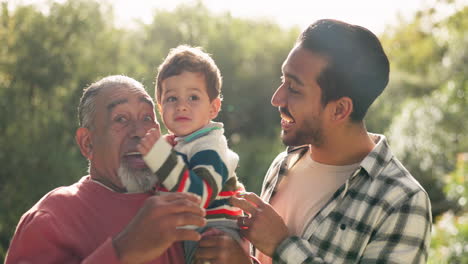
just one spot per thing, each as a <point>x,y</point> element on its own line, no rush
<point>185,104</point>
<point>123,116</point>
<point>298,99</point>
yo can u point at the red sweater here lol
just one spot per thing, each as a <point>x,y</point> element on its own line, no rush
<point>75,224</point>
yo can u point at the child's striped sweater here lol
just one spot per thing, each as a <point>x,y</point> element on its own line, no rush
<point>200,163</point>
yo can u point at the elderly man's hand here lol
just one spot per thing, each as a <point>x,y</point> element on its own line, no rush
<point>155,227</point>
<point>216,247</point>
<point>264,228</point>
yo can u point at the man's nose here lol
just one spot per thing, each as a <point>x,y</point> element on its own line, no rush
<point>278,98</point>
<point>139,129</point>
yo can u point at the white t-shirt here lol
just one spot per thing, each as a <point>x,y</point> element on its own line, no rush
<point>308,186</point>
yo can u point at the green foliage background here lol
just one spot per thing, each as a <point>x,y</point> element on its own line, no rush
<point>48,56</point>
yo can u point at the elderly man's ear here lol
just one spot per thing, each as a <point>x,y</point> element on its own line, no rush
<point>83,139</point>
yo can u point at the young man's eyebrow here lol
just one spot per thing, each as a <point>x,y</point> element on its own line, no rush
<point>294,77</point>
<point>290,75</point>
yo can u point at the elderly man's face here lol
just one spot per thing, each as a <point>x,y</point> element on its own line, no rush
<point>123,116</point>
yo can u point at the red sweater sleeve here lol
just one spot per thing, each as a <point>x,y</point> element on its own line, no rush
<point>39,239</point>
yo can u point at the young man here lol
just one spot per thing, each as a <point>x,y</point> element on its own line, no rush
<point>188,93</point>
<point>337,194</point>
<point>110,215</point>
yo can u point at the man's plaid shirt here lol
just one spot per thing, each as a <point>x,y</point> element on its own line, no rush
<point>380,215</point>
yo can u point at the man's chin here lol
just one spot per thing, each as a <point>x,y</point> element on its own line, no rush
<point>288,139</point>
<point>291,140</point>
<point>139,179</point>
<point>289,143</point>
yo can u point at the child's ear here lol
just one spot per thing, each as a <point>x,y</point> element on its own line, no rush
<point>83,139</point>
<point>215,107</point>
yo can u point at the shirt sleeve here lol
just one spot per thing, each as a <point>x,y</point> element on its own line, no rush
<point>38,239</point>
<point>295,250</point>
<point>204,174</point>
<point>403,237</point>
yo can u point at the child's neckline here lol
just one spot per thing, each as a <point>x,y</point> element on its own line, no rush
<point>199,133</point>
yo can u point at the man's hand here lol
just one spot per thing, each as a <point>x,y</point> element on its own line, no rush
<point>264,228</point>
<point>216,247</point>
<point>153,230</point>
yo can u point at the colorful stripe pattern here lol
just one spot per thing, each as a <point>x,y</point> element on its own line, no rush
<point>196,168</point>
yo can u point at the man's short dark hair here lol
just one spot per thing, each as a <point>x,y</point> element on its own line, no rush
<point>357,65</point>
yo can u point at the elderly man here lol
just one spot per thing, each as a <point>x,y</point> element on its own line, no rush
<point>111,215</point>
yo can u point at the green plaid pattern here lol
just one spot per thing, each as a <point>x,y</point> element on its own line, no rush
<point>380,215</point>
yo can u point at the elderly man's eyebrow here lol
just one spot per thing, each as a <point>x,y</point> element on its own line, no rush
<point>115,103</point>
<point>146,100</point>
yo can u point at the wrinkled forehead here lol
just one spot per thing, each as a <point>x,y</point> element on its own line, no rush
<point>123,93</point>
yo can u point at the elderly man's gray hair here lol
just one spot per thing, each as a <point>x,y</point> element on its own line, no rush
<point>87,106</point>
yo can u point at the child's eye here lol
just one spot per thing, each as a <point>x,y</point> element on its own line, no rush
<point>171,99</point>
<point>194,98</point>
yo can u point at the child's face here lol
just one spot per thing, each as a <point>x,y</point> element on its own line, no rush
<point>185,104</point>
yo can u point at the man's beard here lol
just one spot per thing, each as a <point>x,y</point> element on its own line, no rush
<point>310,133</point>
<point>136,180</point>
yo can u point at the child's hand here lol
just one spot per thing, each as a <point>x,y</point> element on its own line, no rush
<point>148,141</point>
<point>170,138</point>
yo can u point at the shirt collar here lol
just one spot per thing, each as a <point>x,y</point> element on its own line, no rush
<point>378,158</point>
<point>372,164</point>
<point>201,132</point>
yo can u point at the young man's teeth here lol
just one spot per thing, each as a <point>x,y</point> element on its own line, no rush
<point>288,120</point>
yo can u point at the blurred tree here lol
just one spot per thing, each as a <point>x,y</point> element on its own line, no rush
<point>450,232</point>
<point>46,59</point>
<point>427,129</point>
<point>414,54</point>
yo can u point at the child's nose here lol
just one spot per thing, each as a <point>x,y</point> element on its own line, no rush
<point>181,105</point>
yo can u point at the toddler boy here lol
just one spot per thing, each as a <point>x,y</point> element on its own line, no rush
<point>188,96</point>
